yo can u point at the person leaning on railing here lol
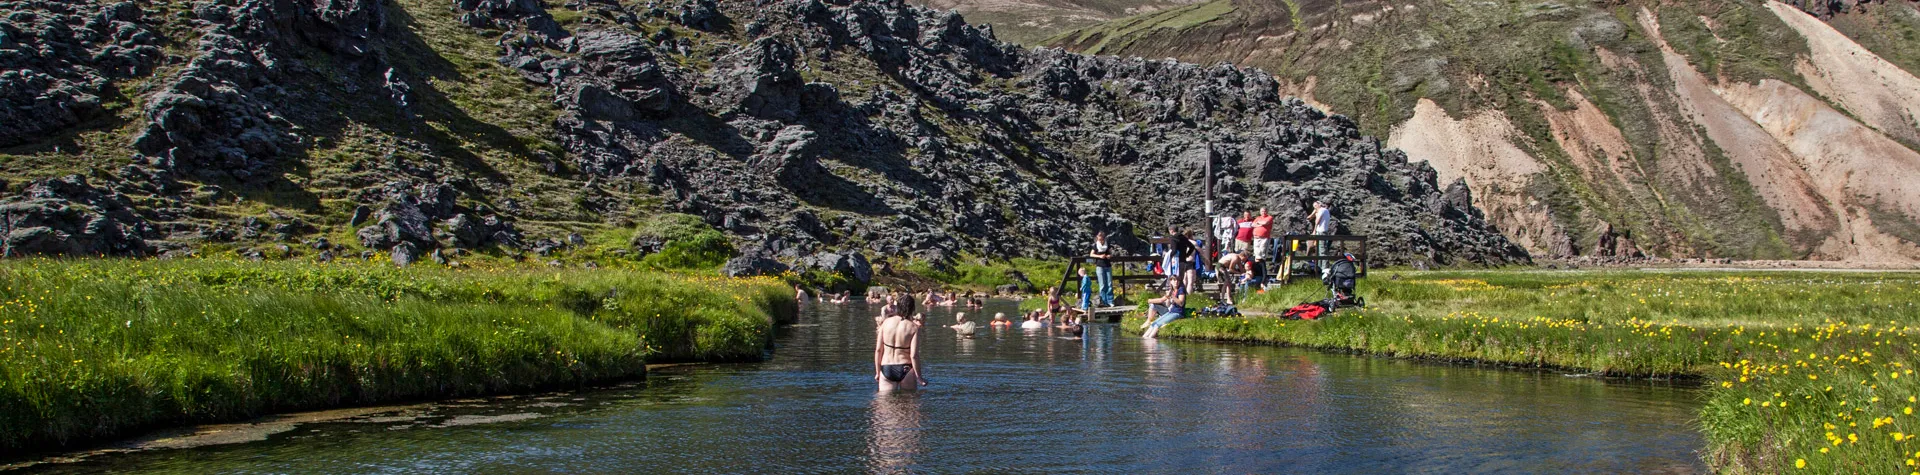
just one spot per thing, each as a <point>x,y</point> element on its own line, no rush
<point>1322,220</point>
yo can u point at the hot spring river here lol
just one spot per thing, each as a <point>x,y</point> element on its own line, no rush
<point>1006,401</point>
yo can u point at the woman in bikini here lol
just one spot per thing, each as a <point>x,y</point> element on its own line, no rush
<point>896,349</point>
<point>1056,310</point>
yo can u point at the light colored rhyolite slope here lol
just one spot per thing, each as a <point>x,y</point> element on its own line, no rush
<point>1775,173</point>
<point>1881,94</point>
<point>1855,166</point>
<point>1481,150</point>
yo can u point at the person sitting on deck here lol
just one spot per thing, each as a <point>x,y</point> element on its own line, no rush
<point>962,326</point>
<point>1173,306</point>
<point>1054,306</point>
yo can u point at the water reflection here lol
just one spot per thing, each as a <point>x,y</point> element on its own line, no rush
<point>1010,400</point>
<point>893,432</point>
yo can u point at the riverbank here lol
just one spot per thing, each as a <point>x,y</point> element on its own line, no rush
<point>97,349</point>
<point>1802,370</point>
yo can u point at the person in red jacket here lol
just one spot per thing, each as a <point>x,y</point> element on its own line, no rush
<point>1262,243</point>
<point>1243,233</point>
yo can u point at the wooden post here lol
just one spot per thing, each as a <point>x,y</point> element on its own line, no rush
<point>1213,247</point>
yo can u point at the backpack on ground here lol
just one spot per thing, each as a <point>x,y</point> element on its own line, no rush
<point>1305,311</point>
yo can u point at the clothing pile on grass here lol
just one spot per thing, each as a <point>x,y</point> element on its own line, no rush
<point>1340,279</point>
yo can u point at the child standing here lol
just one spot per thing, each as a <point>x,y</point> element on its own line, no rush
<point>1086,290</point>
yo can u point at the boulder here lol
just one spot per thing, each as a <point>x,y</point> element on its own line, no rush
<point>753,265</point>
<point>71,217</point>
<point>400,221</point>
<point>405,253</point>
<point>1019,280</point>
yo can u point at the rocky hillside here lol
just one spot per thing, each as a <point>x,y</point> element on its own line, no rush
<point>417,128</point>
<point>1740,128</point>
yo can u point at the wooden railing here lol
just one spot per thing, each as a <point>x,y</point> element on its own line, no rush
<point>1323,253</point>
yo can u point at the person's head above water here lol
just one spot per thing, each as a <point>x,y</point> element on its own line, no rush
<point>959,317</point>
<point>999,316</point>
<point>903,304</point>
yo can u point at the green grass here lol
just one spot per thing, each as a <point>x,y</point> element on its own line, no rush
<point>1789,361</point>
<point>1128,29</point>
<point>95,349</point>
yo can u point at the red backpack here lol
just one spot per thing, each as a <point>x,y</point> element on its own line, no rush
<point>1305,311</point>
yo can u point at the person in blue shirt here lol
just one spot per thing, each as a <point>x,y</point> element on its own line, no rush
<point>1086,290</point>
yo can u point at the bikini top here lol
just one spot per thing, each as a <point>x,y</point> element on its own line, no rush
<point>884,343</point>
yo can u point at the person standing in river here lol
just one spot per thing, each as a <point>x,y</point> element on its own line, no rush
<point>896,348</point>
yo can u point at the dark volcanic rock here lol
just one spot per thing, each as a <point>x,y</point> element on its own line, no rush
<point>400,222</point>
<point>752,265</point>
<point>964,144</point>
<point>58,59</point>
<point>70,217</point>
<point>219,116</point>
<point>405,253</point>
<point>853,265</point>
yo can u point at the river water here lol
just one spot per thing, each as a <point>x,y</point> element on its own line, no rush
<point>1005,401</point>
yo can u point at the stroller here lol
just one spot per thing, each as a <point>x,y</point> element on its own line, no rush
<point>1340,278</point>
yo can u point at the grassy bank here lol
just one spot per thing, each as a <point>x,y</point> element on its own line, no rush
<point>1802,371</point>
<point>94,349</point>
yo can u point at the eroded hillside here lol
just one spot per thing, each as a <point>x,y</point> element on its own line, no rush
<point>1692,129</point>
